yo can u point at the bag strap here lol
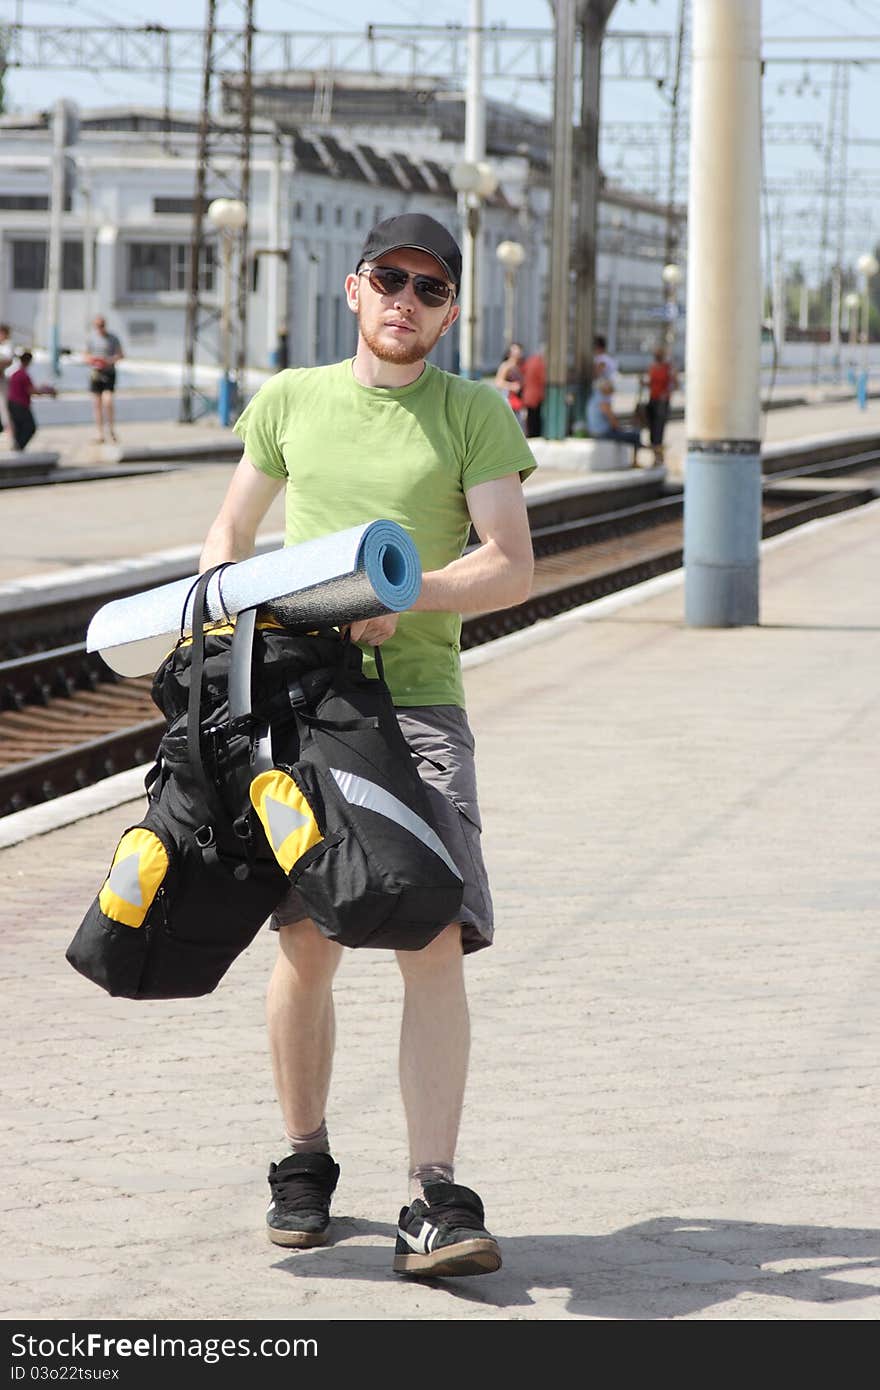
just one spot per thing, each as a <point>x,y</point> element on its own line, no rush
<point>241,693</point>
<point>194,706</point>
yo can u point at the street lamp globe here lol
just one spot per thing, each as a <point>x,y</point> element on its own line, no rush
<point>478,178</point>
<point>671,275</point>
<point>229,214</point>
<point>851,300</point>
<point>511,254</point>
<point>868,265</point>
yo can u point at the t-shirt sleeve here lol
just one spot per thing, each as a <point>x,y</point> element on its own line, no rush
<point>258,427</point>
<point>494,442</point>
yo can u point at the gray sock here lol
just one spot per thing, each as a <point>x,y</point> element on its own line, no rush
<point>314,1143</point>
<point>428,1172</point>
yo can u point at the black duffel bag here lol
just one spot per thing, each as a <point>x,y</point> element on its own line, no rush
<point>282,764</point>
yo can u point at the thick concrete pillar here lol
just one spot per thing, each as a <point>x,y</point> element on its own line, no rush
<point>723,470</point>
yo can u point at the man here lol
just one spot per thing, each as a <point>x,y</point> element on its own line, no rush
<point>389,435</point>
<point>21,388</point>
<point>533,392</point>
<point>603,423</point>
<point>661,380</point>
<point>604,365</point>
<point>103,351</point>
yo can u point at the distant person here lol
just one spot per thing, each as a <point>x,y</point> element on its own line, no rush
<point>602,421</point>
<point>103,351</point>
<point>20,389</point>
<point>604,365</point>
<point>509,377</point>
<point>6,360</point>
<point>661,380</point>
<point>534,388</point>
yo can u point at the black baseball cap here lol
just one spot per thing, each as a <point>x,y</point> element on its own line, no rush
<point>419,232</point>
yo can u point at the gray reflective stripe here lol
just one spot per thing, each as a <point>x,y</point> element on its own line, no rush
<point>359,792</point>
<point>125,881</point>
<point>283,820</point>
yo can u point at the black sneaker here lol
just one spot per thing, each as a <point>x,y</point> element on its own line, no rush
<point>299,1212</point>
<point>445,1234</point>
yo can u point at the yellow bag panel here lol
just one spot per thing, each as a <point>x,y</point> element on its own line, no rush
<point>287,817</point>
<point>139,866</point>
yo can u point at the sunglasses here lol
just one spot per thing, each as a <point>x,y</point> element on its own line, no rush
<point>388,279</point>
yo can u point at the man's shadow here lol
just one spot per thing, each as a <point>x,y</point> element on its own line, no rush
<point>668,1267</point>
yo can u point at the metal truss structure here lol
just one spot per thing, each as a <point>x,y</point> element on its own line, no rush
<point>223,158</point>
<point>523,55</point>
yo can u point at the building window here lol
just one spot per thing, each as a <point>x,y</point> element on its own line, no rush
<point>339,217</point>
<point>30,265</point>
<point>24,202</point>
<point>149,267</point>
<point>181,206</point>
<point>321,336</point>
<point>297,211</point>
<point>338,324</point>
<point>377,215</point>
<point>319,213</point>
<point>358,217</point>
<point>156,267</point>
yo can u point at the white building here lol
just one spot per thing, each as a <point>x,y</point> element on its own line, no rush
<point>127,222</point>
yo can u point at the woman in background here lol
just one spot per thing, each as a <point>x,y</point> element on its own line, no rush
<point>509,377</point>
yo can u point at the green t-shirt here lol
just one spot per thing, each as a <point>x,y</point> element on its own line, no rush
<point>352,454</point>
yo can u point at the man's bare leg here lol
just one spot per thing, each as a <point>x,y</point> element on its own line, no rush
<point>107,398</point>
<point>442,1231</point>
<point>299,1009</point>
<point>434,1047</point>
<point>99,419</point>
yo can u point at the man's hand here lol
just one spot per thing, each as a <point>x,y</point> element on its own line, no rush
<point>373,631</point>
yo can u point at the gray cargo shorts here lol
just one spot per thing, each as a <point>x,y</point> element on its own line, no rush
<point>441,739</point>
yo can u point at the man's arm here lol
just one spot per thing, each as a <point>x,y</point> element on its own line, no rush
<point>234,530</point>
<point>497,574</point>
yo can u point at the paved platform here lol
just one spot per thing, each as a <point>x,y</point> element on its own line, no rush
<point>672,1111</point>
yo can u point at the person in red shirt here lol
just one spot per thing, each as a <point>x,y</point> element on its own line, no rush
<point>661,380</point>
<point>20,390</point>
<point>534,386</point>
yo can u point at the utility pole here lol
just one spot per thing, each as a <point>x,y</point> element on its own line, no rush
<point>63,133</point>
<point>671,248</point>
<point>592,26</point>
<point>556,423</point>
<point>469,201</point>
<point>722,528</point>
<point>223,160</point>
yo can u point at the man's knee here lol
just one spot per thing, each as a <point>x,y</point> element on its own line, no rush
<point>444,953</point>
<point>307,955</point>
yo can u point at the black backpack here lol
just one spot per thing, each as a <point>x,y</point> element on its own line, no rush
<point>282,764</point>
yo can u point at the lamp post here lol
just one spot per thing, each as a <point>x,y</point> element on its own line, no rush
<point>867,266</point>
<point>229,216</point>
<point>671,275</point>
<point>851,302</point>
<point>473,181</point>
<point>511,255</point>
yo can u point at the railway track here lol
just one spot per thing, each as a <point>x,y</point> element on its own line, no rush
<point>66,721</point>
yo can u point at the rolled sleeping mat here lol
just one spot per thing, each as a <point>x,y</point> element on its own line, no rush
<point>339,578</point>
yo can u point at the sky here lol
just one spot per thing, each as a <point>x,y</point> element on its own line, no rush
<point>800,92</point>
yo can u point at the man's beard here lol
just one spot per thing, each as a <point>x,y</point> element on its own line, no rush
<point>411,349</point>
